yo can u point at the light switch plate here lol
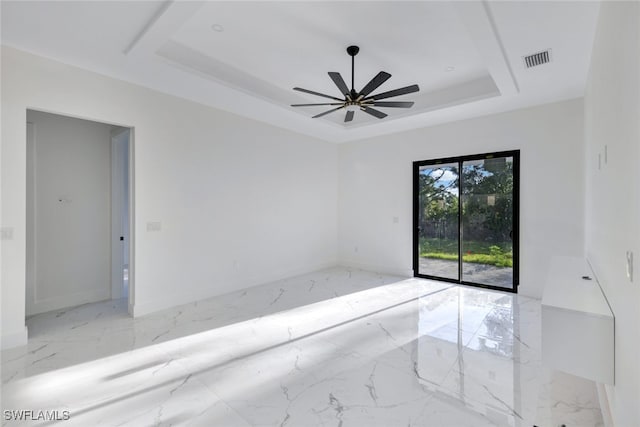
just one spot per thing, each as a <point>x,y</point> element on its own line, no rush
<point>154,226</point>
<point>6,233</point>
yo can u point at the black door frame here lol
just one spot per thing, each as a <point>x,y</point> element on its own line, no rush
<point>516,217</point>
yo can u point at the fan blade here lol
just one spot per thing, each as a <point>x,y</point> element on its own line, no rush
<point>374,83</point>
<point>327,112</point>
<point>337,79</point>
<point>299,89</point>
<point>312,105</point>
<point>395,92</point>
<point>374,112</point>
<point>349,116</point>
<point>395,104</point>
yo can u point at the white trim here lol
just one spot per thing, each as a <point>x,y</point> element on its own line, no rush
<point>171,16</point>
<point>15,339</point>
<point>377,268</point>
<point>117,229</point>
<point>132,221</point>
<point>69,300</point>
<point>31,290</point>
<point>179,297</point>
<point>479,21</point>
<point>605,404</point>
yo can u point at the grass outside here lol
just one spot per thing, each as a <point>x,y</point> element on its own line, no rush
<point>499,255</point>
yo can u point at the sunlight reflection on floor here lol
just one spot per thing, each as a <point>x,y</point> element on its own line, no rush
<point>401,351</point>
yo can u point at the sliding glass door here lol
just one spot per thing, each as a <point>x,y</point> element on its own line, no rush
<point>466,219</point>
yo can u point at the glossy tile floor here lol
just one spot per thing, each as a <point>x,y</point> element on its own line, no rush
<point>332,348</point>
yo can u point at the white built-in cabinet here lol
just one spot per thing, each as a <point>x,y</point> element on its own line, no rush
<point>577,322</point>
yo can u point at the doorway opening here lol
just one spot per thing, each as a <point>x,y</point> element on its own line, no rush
<point>79,199</point>
<point>466,220</point>
<point>120,141</point>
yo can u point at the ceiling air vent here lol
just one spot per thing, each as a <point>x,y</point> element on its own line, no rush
<point>537,58</point>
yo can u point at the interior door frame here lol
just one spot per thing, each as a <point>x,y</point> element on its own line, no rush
<point>29,269</point>
<point>516,217</point>
<point>119,222</point>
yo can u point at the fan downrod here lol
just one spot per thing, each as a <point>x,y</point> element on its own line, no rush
<point>353,51</point>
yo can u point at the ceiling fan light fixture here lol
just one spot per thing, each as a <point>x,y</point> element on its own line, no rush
<point>354,100</point>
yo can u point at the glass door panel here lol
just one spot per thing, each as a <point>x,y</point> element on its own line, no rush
<point>487,221</point>
<point>466,219</point>
<point>437,218</point>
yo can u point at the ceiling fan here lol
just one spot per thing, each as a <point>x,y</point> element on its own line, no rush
<point>360,100</point>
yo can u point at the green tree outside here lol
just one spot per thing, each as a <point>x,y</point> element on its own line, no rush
<point>487,212</point>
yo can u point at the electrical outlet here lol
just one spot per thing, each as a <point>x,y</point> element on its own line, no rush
<point>355,249</point>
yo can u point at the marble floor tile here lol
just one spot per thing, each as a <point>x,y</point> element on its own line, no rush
<point>337,347</point>
<point>568,398</point>
<point>142,387</point>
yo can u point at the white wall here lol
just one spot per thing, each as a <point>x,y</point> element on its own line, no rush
<point>240,202</point>
<point>71,237</point>
<point>612,120</point>
<point>376,185</point>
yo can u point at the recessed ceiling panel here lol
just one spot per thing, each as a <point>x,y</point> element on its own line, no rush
<point>287,44</point>
<point>245,57</point>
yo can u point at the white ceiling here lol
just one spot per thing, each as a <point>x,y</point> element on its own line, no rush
<point>266,48</point>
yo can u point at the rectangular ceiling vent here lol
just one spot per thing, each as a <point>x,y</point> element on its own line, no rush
<point>537,58</point>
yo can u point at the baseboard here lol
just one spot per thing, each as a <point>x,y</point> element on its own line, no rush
<point>377,268</point>
<point>284,274</point>
<point>605,407</point>
<point>180,298</point>
<point>64,301</point>
<point>15,339</point>
<point>525,292</point>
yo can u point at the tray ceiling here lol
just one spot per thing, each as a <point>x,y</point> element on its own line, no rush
<point>245,57</point>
